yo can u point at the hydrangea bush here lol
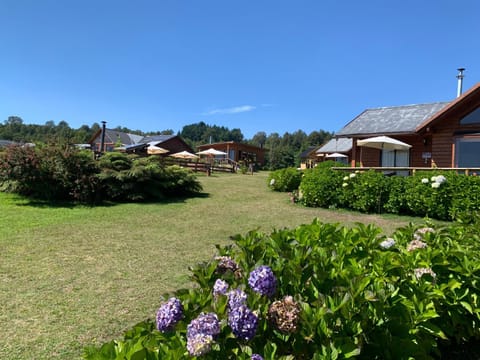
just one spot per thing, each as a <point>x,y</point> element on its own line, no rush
<point>445,196</point>
<point>321,291</point>
<point>285,180</point>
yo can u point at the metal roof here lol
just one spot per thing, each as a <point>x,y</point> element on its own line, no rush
<point>391,120</point>
<point>156,138</point>
<point>340,145</point>
<point>112,136</point>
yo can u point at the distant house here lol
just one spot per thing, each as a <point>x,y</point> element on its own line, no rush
<point>308,158</point>
<point>239,151</point>
<point>342,146</point>
<point>6,143</point>
<point>132,143</point>
<point>442,134</point>
<point>113,139</point>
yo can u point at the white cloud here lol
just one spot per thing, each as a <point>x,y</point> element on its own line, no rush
<point>232,110</point>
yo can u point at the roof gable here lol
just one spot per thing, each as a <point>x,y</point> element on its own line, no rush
<point>472,96</point>
<point>391,120</point>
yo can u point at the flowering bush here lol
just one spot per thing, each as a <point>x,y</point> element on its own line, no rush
<point>444,196</point>
<point>338,293</point>
<point>285,180</point>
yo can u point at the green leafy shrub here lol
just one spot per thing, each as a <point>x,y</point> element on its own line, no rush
<point>56,173</point>
<point>130,178</point>
<point>320,291</point>
<point>285,180</point>
<point>365,191</point>
<point>49,173</point>
<point>443,196</point>
<point>321,187</point>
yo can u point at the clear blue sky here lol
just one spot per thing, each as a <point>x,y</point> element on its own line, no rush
<point>257,65</point>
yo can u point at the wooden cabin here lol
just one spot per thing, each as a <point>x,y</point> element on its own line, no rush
<point>239,152</point>
<point>441,134</point>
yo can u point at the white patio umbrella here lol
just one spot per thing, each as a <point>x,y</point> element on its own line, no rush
<point>336,155</point>
<point>384,143</point>
<point>211,152</point>
<point>156,150</point>
<point>184,155</point>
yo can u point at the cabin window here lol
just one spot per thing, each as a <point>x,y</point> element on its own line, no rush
<point>472,118</point>
<point>395,158</point>
<point>466,152</point>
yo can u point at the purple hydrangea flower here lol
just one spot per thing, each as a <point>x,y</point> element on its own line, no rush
<point>199,344</point>
<point>263,281</point>
<point>243,322</point>
<point>256,357</point>
<point>220,288</point>
<point>169,314</point>
<point>205,323</point>
<point>236,298</point>
<point>226,263</point>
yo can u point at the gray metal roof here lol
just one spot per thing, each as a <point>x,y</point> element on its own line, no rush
<point>341,145</point>
<point>5,143</point>
<point>307,152</point>
<point>112,136</point>
<point>156,138</point>
<point>391,120</point>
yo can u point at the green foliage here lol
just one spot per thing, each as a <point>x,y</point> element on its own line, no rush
<point>443,196</point>
<point>49,173</point>
<point>65,174</point>
<point>285,180</point>
<point>321,187</point>
<point>129,178</point>
<point>359,295</point>
<point>366,192</point>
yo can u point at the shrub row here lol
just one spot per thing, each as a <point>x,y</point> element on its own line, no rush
<point>54,173</point>
<point>285,180</point>
<point>320,291</point>
<point>443,196</point>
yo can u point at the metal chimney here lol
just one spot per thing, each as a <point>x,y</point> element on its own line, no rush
<point>460,77</point>
<point>102,143</point>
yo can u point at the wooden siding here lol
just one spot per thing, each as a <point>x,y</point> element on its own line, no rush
<point>445,133</point>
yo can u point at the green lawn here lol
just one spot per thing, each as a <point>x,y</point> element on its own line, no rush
<point>75,276</point>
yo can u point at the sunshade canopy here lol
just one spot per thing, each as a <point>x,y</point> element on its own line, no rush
<point>156,150</point>
<point>184,155</point>
<point>211,151</point>
<point>336,155</point>
<point>384,143</point>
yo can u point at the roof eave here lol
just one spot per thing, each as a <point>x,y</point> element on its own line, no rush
<point>450,107</point>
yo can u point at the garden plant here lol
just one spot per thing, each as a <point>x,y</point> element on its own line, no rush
<point>320,291</point>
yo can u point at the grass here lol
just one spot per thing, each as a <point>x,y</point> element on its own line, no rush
<point>74,276</point>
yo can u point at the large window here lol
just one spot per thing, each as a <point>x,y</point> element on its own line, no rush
<point>395,158</point>
<point>472,118</point>
<point>467,152</point>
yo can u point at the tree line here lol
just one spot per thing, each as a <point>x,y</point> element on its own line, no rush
<point>283,150</point>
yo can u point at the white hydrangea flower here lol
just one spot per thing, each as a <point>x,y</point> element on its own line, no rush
<point>346,178</point>
<point>435,185</point>
<point>424,181</point>
<point>352,175</point>
<point>440,179</point>
<point>387,244</point>
<point>344,184</point>
<point>433,179</point>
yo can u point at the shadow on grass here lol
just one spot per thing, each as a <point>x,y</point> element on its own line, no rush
<point>38,203</point>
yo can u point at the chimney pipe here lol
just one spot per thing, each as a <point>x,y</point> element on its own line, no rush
<point>102,143</point>
<point>460,77</point>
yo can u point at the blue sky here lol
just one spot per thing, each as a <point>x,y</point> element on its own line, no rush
<point>272,66</point>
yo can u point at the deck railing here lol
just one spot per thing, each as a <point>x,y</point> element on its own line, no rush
<point>410,170</point>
